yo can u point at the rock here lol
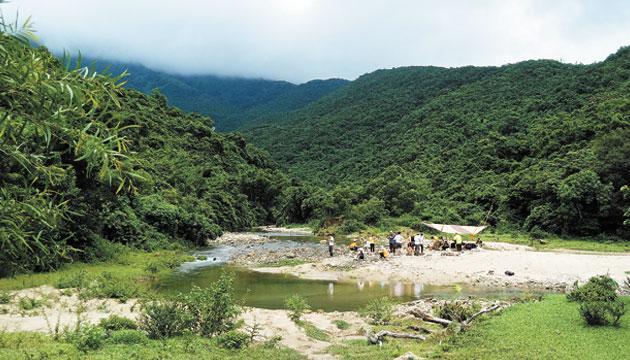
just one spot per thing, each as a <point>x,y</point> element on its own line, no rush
<point>509,273</point>
<point>408,356</point>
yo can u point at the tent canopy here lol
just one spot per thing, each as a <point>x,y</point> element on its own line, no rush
<point>456,229</point>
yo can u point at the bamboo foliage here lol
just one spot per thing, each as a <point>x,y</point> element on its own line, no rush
<point>53,121</point>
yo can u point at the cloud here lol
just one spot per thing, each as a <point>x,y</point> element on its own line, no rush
<point>298,40</point>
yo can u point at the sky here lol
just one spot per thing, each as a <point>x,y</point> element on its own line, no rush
<point>300,40</point>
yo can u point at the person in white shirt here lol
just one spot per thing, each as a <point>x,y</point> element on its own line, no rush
<point>418,242</point>
<point>331,244</point>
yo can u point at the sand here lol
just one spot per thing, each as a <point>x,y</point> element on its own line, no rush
<point>480,267</point>
<point>59,311</point>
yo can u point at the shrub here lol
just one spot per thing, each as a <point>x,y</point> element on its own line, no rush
<point>296,305</point>
<point>602,312</point>
<point>128,337</point>
<point>598,288</point>
<point>599,303</point>
<point>5,297</point>
<point>233,340</point>
<point>341,324</point>
<point>29,303</point>
<point>106,286</point>
<point>379,311</point>
<point>115,323</point>
<point>163,319</point>
<point>76,280</point>
<point>350,226</point>
<point>87,338</point>
<point>213,309</point>
<point>455,310</point>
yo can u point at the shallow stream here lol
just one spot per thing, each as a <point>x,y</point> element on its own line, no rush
<point>270,290</point>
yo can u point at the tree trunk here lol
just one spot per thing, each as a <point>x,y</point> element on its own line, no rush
<point>484,311</point>
<point>430,318</point>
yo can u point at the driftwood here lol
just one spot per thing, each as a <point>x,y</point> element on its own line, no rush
<point>430,318</point>
<point>477,314</point>
<point>444,322</point>
<point>380,336</point>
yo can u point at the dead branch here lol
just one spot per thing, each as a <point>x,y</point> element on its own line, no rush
<point>380,336</point>
<point>430,318</point>
<point>477,314</point>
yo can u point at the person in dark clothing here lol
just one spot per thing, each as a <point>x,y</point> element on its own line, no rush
<point>392,244</point>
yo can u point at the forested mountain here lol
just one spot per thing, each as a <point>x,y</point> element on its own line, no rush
<point>232,102</point>
<point>85,163</point>
<point>536,145</point>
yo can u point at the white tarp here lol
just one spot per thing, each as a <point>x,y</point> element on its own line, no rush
<point>456,229</point>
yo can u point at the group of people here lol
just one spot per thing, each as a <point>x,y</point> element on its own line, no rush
<point>415,244</point>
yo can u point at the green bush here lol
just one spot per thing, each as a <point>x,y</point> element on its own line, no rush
<point>128,337</point>
<point>341,324</point>
<point>599,303</point>
<point>602,312</point>
<point>108,287</point>
<point>296,305</point>
<point>379,311</point>
<point>213,309</point>
<point>598,288</point>
<point>5,297</point>
<point>164,319</point>
<point>87,338</point>
<point>233,340</point>
<point>29,303</point>
<point>350,226</point>
<point>115,323</point>
<point>455,310</point>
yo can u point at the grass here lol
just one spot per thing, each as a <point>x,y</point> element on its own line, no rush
<point>40,346</point>
<point>555,243</point>
<point>551,329</point>
<point>341,324</point>
<point>129,267</point>
<point>313,331</point>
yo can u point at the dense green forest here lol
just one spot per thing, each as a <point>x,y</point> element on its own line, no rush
<point>85,163</point>
<point>232,102</point>
<point>538,146</point>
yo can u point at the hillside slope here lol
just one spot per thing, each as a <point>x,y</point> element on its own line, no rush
<point>85,163</point>
<point>539,144</point>
<point>232,102</point>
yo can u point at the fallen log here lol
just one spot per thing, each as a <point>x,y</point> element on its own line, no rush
<point>477,314</point>
<point>430,318</point>
<point>379,337</point>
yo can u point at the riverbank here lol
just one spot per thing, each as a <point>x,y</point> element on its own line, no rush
<point>497,264</point>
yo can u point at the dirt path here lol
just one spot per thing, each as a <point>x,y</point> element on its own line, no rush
<point>481,267</point>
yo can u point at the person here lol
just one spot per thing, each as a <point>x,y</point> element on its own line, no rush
<point>392,243</point>
<point>353,245</point>
<point>458,242</point>
<point>361,255</point>
<point>479,242</point>
<point>418,241</point>
<point>382,253</point>
<point>331,244</point>
<point>445,244</point>
<point>398,241</point>
<point>367,243</point>
<point>371,242</point>
<point>410,246</point>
